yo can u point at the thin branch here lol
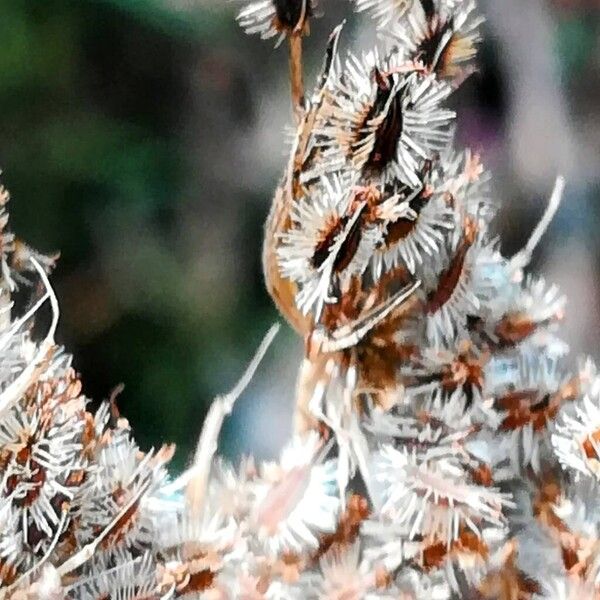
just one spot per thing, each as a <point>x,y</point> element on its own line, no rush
<point>523,257</point>
<point>15,390</point>
<point>43,560</point>
<point>18,323</point>
<point>195,479</point>
<point>75,561</point>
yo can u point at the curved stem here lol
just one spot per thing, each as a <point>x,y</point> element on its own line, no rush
<point>296,74</point>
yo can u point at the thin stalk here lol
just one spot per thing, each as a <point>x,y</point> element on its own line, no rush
<point>296,74</point>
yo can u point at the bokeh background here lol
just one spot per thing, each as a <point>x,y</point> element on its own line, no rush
<point>143,139</point>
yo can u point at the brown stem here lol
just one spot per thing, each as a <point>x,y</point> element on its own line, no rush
<point>310,376</point>
<point>296,76</point>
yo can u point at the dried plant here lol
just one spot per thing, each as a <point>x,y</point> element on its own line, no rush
<point>442,447</point>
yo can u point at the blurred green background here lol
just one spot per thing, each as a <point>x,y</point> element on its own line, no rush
<point>143,139</point>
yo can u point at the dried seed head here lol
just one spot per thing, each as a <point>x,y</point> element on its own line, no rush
<point>271,18</point>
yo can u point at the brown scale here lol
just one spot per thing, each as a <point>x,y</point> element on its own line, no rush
<point>190,577</point>
<point>199,581</point>
<point>450,278</point>
<point>514,328</point>
<point>527,406</point>
<point>347,249</point>
<point>348,527</point>
<point>392,281</point>
<point>588,445</point>
<point>508,582</point>
<point>332,230</point>
<point>22,457</point>
<point>379,354</point>
<point>68,542</point>
<point>428,46</point>
<point>482,475</point>
<point>372,196</point>
<point>387,135</point>
<point>34,535</point>
<point>570,558</point>
<point>88,440</point>
<point>577,551</point>
<point>347,308</point>
<point>403,227</point>
<point>509,332</point>
<point>124,524</point>
<point>466,371</point>
<point>356,300</point>
<point>437,552</point>
<point>38,478</point>
<point>383,578</point>
<point>74,387</point>
<point>8,573</point>
<point>48,392</point>
<point>457,48</point>
<point>369,194</point>
<point>20,259</point>
<point>546,498</point>
<point>578,554</point>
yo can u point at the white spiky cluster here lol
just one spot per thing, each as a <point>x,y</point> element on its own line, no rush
<point>444,449</point>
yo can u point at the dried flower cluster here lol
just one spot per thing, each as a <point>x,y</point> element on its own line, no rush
<point>442,449</point>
